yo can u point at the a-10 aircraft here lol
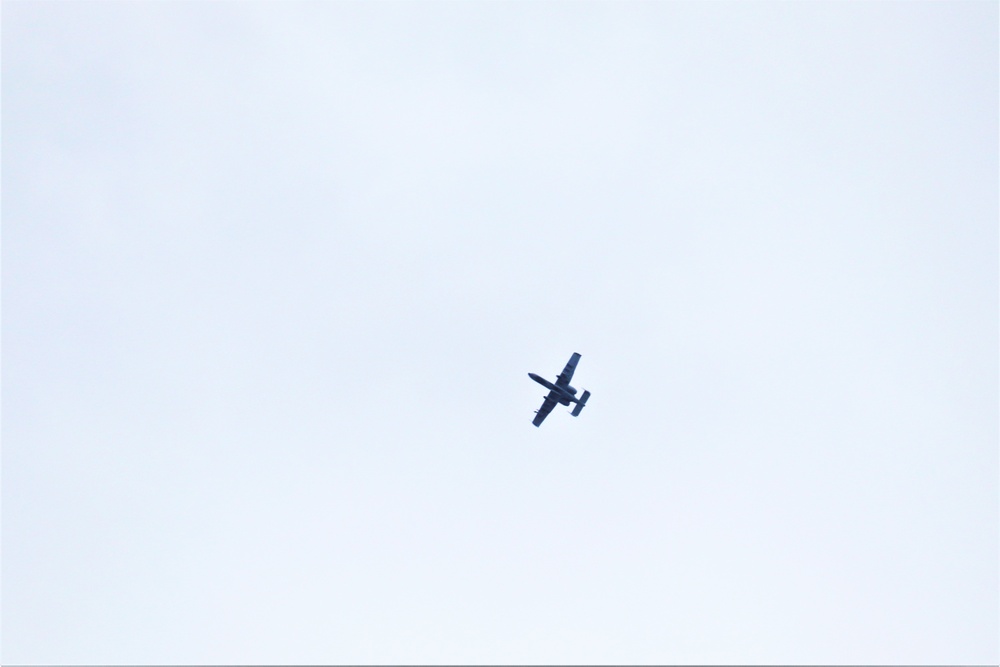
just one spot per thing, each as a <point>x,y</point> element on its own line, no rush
<point>560,392</point>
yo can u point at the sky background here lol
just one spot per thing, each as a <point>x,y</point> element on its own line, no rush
<point>274,276</point>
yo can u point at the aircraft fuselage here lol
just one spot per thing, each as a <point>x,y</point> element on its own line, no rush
<point>565,394</point>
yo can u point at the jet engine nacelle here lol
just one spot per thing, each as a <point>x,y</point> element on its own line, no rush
<point>570,390</point>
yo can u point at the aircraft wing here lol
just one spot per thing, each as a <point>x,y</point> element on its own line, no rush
<point>544,411</point>
<point>567,373</point>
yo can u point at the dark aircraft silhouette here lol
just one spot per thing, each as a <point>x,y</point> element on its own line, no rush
<point>560,392</point>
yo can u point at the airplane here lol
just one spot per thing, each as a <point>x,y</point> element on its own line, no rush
<point>560,392</point>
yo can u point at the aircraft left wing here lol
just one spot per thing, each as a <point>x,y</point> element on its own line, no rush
<point>567,373</point>
<point>544,411</point>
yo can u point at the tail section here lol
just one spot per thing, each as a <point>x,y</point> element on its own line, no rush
<point>582,402</point>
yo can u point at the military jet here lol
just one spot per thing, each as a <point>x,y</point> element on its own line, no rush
<point>560,392</point>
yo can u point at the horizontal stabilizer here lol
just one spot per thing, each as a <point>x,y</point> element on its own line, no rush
<point>583,402</point>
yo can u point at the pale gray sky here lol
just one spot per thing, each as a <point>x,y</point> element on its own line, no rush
<point>274,276</point>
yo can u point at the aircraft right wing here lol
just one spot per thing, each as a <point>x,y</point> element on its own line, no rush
<point>567,373</point>
<point>544,411</point>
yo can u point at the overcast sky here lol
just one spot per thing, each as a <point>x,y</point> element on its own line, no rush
<point>274,276</point>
